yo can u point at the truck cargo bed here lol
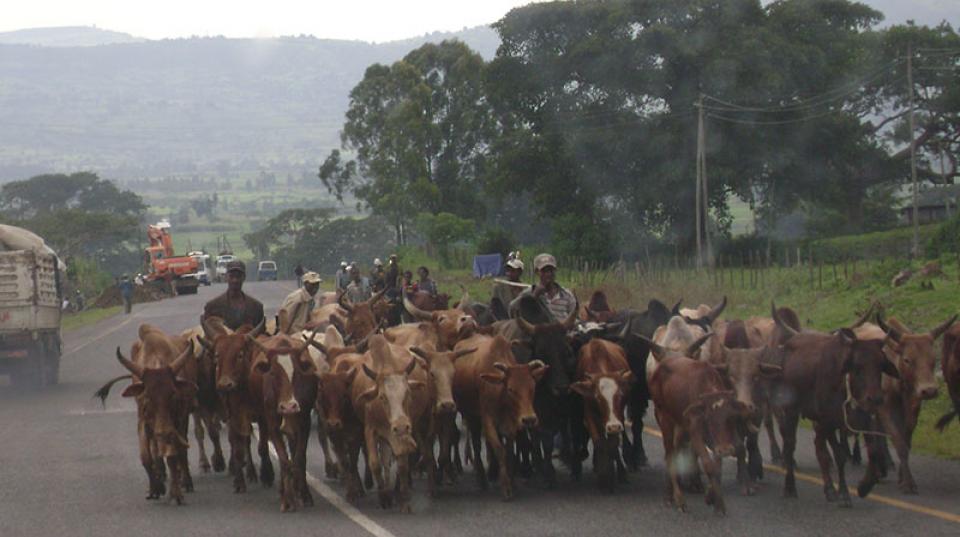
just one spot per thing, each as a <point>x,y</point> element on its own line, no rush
<point>28,291</point>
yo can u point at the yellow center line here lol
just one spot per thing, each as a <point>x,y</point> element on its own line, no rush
<point>909,506</point>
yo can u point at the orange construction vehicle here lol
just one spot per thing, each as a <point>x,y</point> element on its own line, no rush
<point>180,272</point>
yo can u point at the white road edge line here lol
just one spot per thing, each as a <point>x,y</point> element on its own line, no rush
<point>101,336</point>
<point>337,501</point>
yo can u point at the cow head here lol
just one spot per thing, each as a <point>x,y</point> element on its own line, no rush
<point>518,384</point>
<point>361,318</point>
<point>745,368</point>
<point>452,324</point>
<point>549,342</point>
<point>915,355</point>
<point>391,390</point>
<point>715,415</point>
<point>608,392</point>
<point>284,363</point>
<point>233,353</point>
<point>161,394</point>
<point>863,362</point>
<point>334,397</point>
<point>440,367</point>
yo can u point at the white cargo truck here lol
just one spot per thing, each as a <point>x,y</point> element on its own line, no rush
<point>30,304</point>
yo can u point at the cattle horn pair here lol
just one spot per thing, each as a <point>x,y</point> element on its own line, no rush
<point>865,317</point>
<point>417,313</point>
<point>181,360</point>
<point>135,369</point>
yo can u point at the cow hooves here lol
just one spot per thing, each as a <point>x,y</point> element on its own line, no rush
<point>386,499</point>
<point>748,490</point>
<point>331,470</point>
<point>218,463</point>
<point>791,494</point>
<point>830,493</point>
<point>307,499</point>
<point>353,497</point>
<point>865,486</point>
<point>506,494</point>
<point>406,509</point>
<point>205,466</point>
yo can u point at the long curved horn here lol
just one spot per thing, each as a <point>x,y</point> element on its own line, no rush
<point>717,310</point>
<point>257,330</point>
<point>417,313</point>
<point>425,354</point>
<point>525,325</point>
<point>376,297</point>
<point>136,369</point>
<point>461,353</point>
<point>536,364</point>
<point>409,369</point>
<point>309,340</point>
<point>891,332</point>
<point>676,308</point>
<point>865,317</point>
<point>317,345</point>
<point>571,319</point>
<point>369,372</point>
<point>345,305</point>
<point>658,351</point>
<point>779,322</point>
<point>501,366</point>
<point>938,331</point>
<point>181,360</point>
<point>695,346</point>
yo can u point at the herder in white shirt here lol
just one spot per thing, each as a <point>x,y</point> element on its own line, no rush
<point>295,311</point>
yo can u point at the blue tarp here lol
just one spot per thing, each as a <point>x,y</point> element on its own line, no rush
<point>487,265</point>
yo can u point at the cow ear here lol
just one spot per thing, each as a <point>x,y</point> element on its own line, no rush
<point>770,370</point>
<point>627,376</point>
<point>493,378</point>
<point>416,384</point>
<point>133,390</point>
<point>890,369</point>
<point>583,387</point>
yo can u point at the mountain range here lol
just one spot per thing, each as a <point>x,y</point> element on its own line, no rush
<point>131,108</point>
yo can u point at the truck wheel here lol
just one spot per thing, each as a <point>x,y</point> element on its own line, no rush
<point>31,374</point>
<point>53,362</point>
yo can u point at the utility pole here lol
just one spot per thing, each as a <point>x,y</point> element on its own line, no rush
<point>913,155</point>
<point>703,183</point>
<point>699,205</point>
<point>943,179</point>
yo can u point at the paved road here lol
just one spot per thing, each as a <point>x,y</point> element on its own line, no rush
<point>69,467</point>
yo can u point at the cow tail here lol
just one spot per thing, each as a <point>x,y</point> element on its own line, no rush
<point>948,417</point>
<point>104,390</point>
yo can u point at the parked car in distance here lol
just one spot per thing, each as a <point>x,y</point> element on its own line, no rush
<point>221,273</point>
<point>204,273</point>
<point>267,270</point>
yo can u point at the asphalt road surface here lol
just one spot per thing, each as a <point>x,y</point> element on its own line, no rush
<point>70,467</point>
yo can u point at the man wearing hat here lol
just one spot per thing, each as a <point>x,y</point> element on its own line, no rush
<point>295,311</point>
<point>557,300</point>
<point>235,307</point>
<point>505,291</point>
<point>359,288</point>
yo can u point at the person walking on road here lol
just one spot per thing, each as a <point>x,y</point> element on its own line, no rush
<point>298,272</point>
<point>126,293</point>
<point>235,307</point>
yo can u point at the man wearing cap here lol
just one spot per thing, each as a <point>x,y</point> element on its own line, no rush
<point>295,311</point>
<point>391,280</point>
<point>557,300</point>
<point>505,292</point>
<point>342,277</point>
<point>377,276</point>
<point>235,307</point>
<point>359,288</point>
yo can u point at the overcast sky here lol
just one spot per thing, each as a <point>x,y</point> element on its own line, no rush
<point>368,20</point>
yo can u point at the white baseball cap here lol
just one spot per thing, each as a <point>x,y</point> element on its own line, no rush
<point>515,263</point>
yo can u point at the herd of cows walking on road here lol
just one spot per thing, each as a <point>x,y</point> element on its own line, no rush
<point>527,387</point>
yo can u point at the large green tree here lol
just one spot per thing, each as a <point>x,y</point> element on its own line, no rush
<point>417,130</point>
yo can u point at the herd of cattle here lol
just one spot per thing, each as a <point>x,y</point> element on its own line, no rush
<point>523,385</point>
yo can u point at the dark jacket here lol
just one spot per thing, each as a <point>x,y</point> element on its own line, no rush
<point>234,318</point>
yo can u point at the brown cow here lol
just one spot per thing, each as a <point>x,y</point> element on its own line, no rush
<point>692,405</point>
<point>240,387</point>
<point>950,365</point>
<point>383,400</point>
<point>835,381</point>
<point>495,397</point>
<point>443,426</point>
<point>288,391</point>
<point>339,420</point>
<point>451,324</point>
<point>164,401</point>
<point>913,355</point>
<point>361,319</point>
<point>209,413</point>
<point>603,380</point>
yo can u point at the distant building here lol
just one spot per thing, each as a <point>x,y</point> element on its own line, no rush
<point>935,204</point>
